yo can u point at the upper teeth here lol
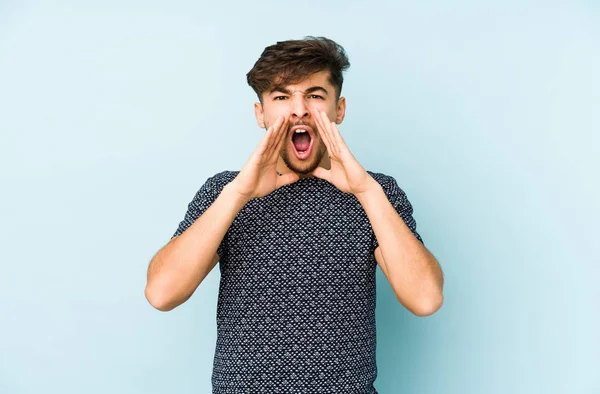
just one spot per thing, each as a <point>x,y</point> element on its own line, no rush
<point>300,131</point>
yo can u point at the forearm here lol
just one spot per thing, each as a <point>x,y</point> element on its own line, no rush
<point>180,266</point>
<point>413,272</point>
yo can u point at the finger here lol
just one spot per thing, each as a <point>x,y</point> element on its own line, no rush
<point>322,132</point>
<point>263,145</point>
<point>282,138</point>
<point>338,136</point>
<point>267,139</point>
<point>322,173</point>
<point>327,126</point>
<point>273,132</point>
<point>344,151</point>
<point>286,179</point>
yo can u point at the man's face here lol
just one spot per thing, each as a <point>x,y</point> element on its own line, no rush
<point>302,152</point>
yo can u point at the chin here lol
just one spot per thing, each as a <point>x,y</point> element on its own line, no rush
<point>302,167</point>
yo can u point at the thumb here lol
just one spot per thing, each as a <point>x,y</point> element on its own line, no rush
<point>286,179</point>
<point>322,173</point>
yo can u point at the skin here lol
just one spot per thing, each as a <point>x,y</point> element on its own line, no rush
<point>299,105</point>
<point>413,272</point>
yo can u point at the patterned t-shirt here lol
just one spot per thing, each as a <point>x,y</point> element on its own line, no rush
<point>296,304</point>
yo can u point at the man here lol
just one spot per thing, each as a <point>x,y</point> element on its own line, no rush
<point>298,233</point>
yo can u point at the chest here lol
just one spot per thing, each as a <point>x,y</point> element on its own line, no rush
<point>306,225</point>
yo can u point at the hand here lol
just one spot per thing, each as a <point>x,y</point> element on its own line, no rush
<point>346,173</point>
<point>259,176</point>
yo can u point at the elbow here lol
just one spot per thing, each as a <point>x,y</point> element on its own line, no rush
<point>429,307</point>
<point>158,300</point>
<point>432,299</point>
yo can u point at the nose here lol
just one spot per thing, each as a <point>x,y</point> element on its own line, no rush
<point>299,107</point>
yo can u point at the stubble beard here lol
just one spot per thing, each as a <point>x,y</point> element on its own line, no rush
<point>303,167</point>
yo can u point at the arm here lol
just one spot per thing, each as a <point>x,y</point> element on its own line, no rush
<point>413,272</point>
<point>180,266</point>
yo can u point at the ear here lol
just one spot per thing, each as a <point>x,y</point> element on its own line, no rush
<point>341,110</point>
<point>258,113</point>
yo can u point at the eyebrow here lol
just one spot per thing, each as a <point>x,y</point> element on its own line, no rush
<point>312,89</point>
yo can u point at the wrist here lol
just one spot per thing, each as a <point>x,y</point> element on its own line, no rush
<point>231,191</point>
<point>370,191</point>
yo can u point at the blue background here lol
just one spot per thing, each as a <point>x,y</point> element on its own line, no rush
<point>113,113</point>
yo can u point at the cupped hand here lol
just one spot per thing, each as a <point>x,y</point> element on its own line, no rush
<point>259,175</point>
<point>345,173</point>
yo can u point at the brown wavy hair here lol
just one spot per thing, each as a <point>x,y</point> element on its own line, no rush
<point>292,61</point>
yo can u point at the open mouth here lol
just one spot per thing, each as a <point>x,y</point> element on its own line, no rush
<point>302,141</point>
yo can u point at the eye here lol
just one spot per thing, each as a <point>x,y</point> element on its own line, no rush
<point>279,98</point>
<point>316,96</point>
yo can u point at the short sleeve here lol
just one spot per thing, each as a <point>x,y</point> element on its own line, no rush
<point>399,201</point>
<point>205,196</point>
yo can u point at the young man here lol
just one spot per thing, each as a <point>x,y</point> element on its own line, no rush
<point>298,233</point>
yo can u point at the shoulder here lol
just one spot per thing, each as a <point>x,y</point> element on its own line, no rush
<point>221,179</point>
<point>214,185</point>
<point>386,181</point>
<point>390,187</point>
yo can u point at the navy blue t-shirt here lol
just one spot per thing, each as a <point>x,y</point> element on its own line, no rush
<point>296,304</point>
